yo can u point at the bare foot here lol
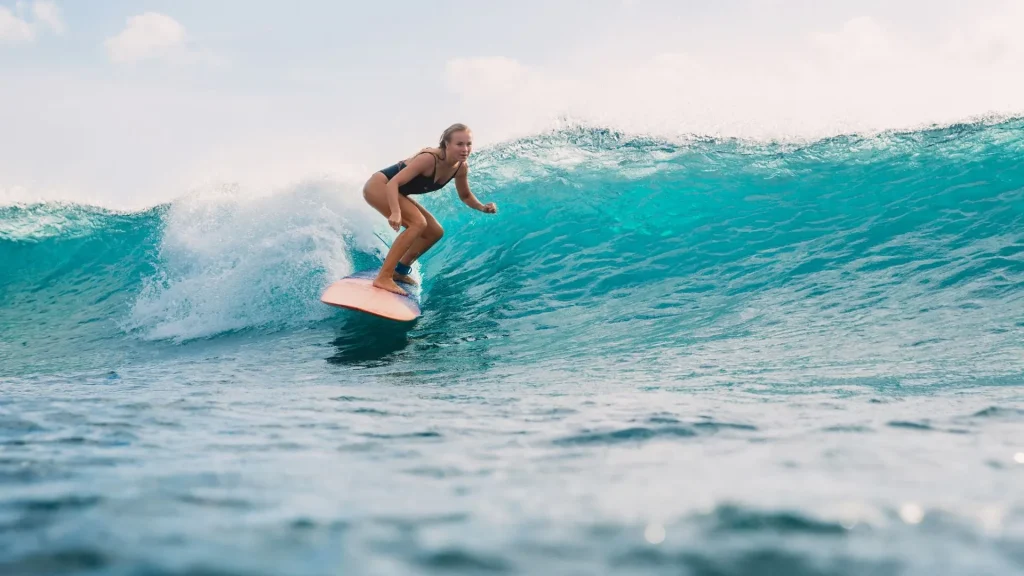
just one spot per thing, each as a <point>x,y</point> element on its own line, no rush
<point>404,278</point>
<point>389,285</point>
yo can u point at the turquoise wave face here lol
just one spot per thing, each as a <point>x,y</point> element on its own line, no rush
<point>870,257</point>
<point>895,254</point>
<point>67,276</point>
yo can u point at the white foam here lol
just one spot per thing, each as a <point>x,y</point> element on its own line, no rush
<point>229,261</point>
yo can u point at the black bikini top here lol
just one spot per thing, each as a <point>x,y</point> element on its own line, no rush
<point>420,184</point>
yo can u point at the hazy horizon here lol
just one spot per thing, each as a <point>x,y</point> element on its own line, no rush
<point>135,103</point>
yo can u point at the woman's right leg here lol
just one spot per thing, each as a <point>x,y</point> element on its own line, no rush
<point>375,193</point>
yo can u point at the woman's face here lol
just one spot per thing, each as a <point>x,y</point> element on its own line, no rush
<point>460,145</point>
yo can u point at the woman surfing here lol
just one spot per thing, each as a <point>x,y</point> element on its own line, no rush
<point>389,191</point>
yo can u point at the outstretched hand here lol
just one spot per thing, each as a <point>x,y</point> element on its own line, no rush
<point>489,208</point>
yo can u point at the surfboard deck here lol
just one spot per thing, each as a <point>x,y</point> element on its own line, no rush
<point>357,292</point>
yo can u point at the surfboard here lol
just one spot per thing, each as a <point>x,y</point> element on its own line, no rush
<point>357,292</point>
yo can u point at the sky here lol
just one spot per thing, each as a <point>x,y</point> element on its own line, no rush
<point>133,103</point>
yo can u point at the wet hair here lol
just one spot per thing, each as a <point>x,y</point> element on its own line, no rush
<point>442,145</point>
<point>446,136</point>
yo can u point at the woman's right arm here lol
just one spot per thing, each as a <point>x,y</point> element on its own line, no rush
<point>423,164</point>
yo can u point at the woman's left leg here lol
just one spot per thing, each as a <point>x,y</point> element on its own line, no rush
<point>424,242</point>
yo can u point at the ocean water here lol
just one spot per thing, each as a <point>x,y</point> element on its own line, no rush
<point>700,357</point>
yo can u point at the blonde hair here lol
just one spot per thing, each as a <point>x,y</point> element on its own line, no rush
<point>446,136</point>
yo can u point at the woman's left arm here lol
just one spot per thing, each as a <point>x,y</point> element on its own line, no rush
<point>466,195</point>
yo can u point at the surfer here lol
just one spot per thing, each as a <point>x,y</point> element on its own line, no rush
<point>389,191</point>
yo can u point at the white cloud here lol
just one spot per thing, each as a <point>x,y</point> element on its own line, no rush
<point>858,65</point>
<point>860,39</point>
<point>489,73</point>
<point>862,75</point>
<point>992,40</point>
<point>146,37</point>
<point>13,29</point>
<point>498,83</point>
<point>48,13</point>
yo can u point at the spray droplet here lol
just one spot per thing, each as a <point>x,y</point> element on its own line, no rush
<point>654,533</point>
<point>911,513</point>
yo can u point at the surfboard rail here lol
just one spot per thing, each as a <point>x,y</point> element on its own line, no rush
<point>357,292</point>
